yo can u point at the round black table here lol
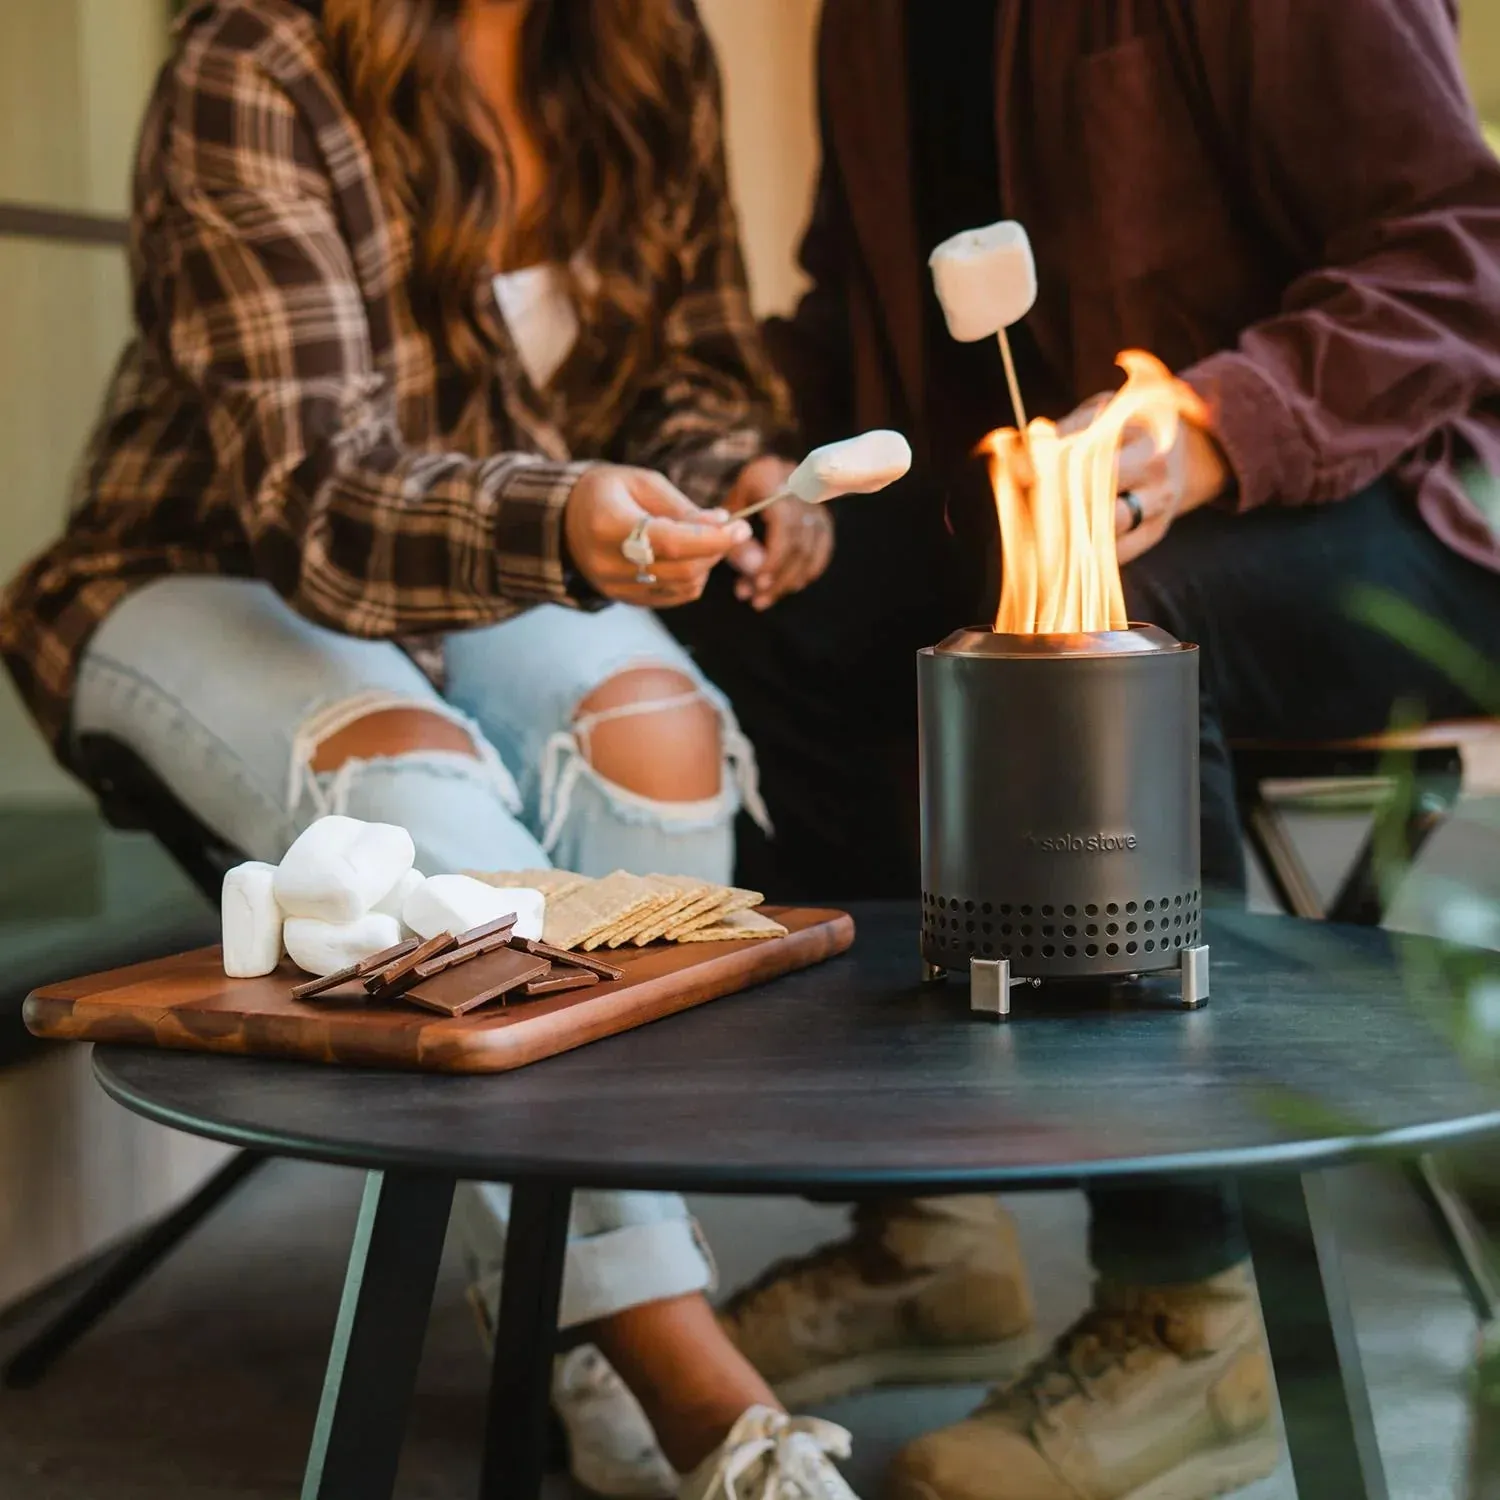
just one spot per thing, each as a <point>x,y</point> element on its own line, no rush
<point>1320,1045</point>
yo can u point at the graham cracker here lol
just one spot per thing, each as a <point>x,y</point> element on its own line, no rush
<point>553,884</point>
<point>736,927</point>
<point>662,896</point>
<point>678,893</point>
<point>735,900</point>
<point>707,901</point>
<point>594,908</point>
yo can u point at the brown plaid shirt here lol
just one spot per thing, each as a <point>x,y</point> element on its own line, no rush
<point>282,414</point>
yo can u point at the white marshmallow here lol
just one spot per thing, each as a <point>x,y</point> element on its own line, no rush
<point>395,899</point>
<point>340,867</point>
<point>322,947</point>
<point>857,466</point>
<point>251,921</point>
<point>985,279</point>
<point>455,903</point>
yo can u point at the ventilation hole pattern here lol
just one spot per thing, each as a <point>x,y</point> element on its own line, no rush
<point>958,928</point>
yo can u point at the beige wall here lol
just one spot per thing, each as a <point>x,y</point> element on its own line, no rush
<point>1481,33</point>
<point>766,53</point>
<point>73,76</point>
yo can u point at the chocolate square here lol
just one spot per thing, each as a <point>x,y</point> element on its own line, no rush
<point>564,956</point>
<point>384,959</point>
<point>561,978</point>
<point>459,990</point>
<point>390,981</point>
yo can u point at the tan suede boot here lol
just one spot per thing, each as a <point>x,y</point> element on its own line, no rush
<point>1155,1394</point>
<point>922,1292</point>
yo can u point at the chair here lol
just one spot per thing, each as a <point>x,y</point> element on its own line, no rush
<point>133,799</point>
<point>1443,760</point>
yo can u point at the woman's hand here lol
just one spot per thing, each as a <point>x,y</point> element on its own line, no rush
<point>1192,473</point>
<point>799,537</point>
<point>606,505</point>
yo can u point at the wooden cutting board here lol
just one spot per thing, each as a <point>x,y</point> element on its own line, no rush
<point>188,1002</point>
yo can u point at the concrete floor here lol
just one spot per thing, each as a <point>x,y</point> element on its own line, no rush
<point>204,1384</point>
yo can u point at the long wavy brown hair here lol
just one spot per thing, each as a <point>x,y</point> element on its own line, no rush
<point>606,91</point>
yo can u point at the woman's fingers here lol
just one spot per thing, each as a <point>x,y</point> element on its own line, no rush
<point>658,496</point>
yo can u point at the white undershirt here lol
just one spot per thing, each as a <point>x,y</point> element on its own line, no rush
<point>540,314</point>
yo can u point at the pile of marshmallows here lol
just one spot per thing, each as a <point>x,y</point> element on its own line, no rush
<point>347,889</point>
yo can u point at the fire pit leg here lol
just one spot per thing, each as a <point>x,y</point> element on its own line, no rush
<point>989,987</point>
<point>1194,977</point>
<point>933,973</point>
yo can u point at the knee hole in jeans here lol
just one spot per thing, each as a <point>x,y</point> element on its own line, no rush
<point>654,734</point>
<point>388,732</point>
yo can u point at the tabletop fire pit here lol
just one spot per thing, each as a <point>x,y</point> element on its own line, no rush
<point>1059,751</point>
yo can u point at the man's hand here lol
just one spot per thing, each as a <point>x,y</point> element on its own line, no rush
<point>799,537</point>
<point>607,503</point>
<point>1192,473</point>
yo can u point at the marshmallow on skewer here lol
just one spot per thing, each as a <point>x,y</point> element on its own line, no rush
<point>455,903</point>
<point>856,466</point>
<point>985,279</point>
<point>251,921</point>
<point>326,947</point>
<point>340,867</point>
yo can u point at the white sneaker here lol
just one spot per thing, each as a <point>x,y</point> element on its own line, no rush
<point>771,1456</point>
<point>612,1450</point>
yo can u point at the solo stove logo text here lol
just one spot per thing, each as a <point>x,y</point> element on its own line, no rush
<point>1078,843</point>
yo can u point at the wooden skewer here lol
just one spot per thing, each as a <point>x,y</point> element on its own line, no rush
<point>1015,385</point>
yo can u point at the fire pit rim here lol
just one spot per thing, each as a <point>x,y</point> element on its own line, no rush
<point>981,641</point>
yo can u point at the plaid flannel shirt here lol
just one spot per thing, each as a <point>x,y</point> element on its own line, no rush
<point>282,414</point>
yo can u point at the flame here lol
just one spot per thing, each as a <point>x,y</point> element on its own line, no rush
<point>1056,496</point>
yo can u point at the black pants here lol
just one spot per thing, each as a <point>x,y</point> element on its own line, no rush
<point>825,686</point>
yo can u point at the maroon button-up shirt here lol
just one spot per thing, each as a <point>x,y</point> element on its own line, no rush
<point>1288,201</point>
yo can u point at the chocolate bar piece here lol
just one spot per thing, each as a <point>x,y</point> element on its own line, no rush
<point>381,960</point>
<point>457,991</point>
<point>505,924</point>
<point>392,979</point>
<point>561,978</point>
<point>563,956</point>
<point>494,937</point>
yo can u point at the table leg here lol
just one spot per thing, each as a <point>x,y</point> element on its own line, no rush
<point>1325,1405</point>
<point>516,1436</point>
<point>377,1341</point>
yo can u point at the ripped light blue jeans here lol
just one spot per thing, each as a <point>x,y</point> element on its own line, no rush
<point>227,694</point>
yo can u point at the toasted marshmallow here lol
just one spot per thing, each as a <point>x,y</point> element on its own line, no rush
<point>340,867</point>
<point>856,466</point>
<point>455,903</point>
<point>985,279</point>
<point>324,947</point>
<point>251,921</point>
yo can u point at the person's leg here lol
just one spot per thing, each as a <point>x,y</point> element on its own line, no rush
<point>260,722</point>
<point>1271,600</point>
<point>626,756</point>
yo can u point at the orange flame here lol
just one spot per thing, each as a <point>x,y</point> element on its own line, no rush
<point>1056,496</point>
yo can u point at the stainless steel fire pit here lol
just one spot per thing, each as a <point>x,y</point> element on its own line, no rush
<point>1060,810</point>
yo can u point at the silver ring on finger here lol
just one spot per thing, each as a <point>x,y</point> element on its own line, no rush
<point>1137,511</point>
<point>637,549</point>
<point>647,579</point>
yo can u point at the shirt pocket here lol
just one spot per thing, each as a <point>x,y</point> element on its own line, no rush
<point>1158,201</point>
